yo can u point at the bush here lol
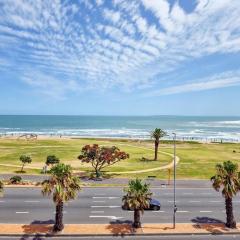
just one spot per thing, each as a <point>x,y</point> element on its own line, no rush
<point>52,159</point>
<point>15,179</point>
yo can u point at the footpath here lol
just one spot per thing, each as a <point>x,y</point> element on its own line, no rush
<point>116,229</point>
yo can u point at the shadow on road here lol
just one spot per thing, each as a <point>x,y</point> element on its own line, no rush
<point>36,229</point>
<point>209,224</point>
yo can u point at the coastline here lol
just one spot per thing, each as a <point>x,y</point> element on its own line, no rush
<point>27,136</point>
<point>187,128</point>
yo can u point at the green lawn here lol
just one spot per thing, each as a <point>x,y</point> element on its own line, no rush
<point>197,161</point>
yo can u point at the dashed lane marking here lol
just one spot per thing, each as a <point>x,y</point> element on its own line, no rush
<point>105,206</point>
<point>109,217</point>
<point>105,197</point>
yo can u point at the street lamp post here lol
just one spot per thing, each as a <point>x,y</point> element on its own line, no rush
<point>174,181</point>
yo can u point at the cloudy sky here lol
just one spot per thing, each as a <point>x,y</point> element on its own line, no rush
<point>120,57</point>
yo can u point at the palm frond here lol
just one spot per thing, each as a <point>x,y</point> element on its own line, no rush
<point>227,178</point>
<point>63,185</point>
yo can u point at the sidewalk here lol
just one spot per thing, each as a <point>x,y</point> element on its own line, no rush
<point>117,229</point>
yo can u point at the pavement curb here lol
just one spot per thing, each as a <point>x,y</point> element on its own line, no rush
<point>117,235</point>
<point>83,230</point>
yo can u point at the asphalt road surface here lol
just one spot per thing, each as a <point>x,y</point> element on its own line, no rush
<point>103,205</point>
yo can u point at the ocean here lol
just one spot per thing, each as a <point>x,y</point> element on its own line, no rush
<point>186,127</point>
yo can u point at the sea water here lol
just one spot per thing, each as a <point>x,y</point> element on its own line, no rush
<point>137,127</point>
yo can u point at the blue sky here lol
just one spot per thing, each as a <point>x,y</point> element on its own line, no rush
<point>120,57</point>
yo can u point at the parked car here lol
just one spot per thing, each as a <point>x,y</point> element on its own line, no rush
<point>153,205</point>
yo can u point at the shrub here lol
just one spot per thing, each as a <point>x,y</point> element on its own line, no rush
<point>15,179</point>
<point>52,159</point>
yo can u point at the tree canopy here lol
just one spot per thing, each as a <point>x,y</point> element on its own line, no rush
<point>157,134</point>
<point>52,159</point>
<point>101,157</point>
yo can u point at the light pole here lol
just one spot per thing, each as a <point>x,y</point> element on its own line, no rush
<point>174,181</point>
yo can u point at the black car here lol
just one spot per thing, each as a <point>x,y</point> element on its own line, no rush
<point>153,205</point>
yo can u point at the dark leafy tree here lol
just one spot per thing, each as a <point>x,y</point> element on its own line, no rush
<point>25,159</point>
<point>63,185</point>
<point>156,135</point>
<point>101,157</point>
<point>227,179</point>
<point>15,179</point>
<point>137,198</point>
<point>51,160</point>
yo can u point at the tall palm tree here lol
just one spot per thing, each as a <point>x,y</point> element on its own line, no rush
<point>137,197</point>
<point>63,185</point>
<point>227,179</point>
<point>157,134</point>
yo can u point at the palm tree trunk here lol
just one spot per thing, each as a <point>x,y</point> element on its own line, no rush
<point>231,223</point>
<point>156,151</point>
<point>136,223</point>
<point>58,226</point>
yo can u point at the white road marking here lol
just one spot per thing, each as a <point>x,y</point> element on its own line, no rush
<point>215,201</point>
<point>205,211</point>
<point>2,201</point>
<point>158,211</point>
<point>31,201</point>
<point>109,217</point>
<point>182,211</point>
<point>236,201</point>
<point>99,201</point>
<point>63,212</point>
<point>194,201</point>
<point>97,211</point>
<point>172,201</point>
<point>167,193</point>
<point>106,197</point>
<point>105,206</point>
<point>206,193</point>
<point>22,212</point>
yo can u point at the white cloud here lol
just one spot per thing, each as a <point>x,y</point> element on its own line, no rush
<point>49,85</point>
<point>227,79</point>
<point>112,16</point>
<point>115,45</point>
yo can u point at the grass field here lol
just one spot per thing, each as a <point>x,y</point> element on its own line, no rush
<point>197,161</point>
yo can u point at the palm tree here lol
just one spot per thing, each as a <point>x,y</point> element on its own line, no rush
<point>137,197</point>
<point>64,187</point>
<point>227,179</point>
<point>157,134</point>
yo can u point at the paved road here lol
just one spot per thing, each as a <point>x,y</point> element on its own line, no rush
<point>187,237</point>
<point>103,205</point>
